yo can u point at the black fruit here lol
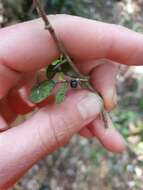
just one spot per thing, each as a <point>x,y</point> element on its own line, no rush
<point>73,83</point>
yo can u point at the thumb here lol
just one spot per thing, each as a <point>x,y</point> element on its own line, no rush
<point>48,129</point>
<point>57,123</point>
<point>105,83</point>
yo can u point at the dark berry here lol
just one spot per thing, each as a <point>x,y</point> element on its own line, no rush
<point>73,83</point>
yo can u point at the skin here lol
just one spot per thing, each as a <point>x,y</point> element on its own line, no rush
<point>27,47</point>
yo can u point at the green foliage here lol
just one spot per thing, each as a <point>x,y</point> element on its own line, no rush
<point>44,89</point>
<point>41,91</point>
<point>54,6</point>
<point>68,70</point>
<point>19,9</point>
<point>122,120</point>
<point>140,103</point>
<point>58,66</point>
<point>51,71</point>
<point>59,98</point>
<point>59,4</point>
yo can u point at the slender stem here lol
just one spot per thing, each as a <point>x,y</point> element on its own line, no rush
<point>63,51</point>
<point>69,80</point>
<point>59,44</point>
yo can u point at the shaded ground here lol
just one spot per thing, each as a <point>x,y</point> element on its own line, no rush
<point>84,164</point>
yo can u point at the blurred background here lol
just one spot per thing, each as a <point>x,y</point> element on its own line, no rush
<point>84,164</point>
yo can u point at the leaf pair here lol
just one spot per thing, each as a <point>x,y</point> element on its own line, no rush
<point>60,65</point>
<point>45,88</point>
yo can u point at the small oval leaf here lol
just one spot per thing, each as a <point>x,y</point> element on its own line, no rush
<point>51,71</point>
<point>59,98</point>
<point>68,70</point>
<point>42,91</point>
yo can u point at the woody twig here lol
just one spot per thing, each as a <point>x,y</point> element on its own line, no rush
<point>65,54</point>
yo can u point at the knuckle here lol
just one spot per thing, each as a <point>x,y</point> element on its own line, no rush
<point>61,129</point>
<point>47,136</point>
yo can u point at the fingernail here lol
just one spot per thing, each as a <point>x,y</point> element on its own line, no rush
<point>111,99</point>
<point>3,125</point>
<point>90,106</point>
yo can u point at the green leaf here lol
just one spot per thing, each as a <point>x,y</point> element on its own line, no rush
<point>68,70</point>
<point>42,91</point>
<point>59,98</point>
<point>61,76</point>
<point>51,71</point>
<point>57,62</point>
<point>65,67</point>
<point>54,68</point>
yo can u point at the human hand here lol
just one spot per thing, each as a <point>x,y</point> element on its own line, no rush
<point>27,47</point>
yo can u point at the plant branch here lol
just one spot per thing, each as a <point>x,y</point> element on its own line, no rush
<point>63,51</point>
<point>49,27</point>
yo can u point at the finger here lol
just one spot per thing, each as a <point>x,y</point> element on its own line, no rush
<point>109,138</point>
<point>3,124</point>
<point>47,130</point>
<point>86,66</point>
<point>6,112</point>
<point>7,115</point>
<point>118,42</point>
<point>75,118</point>
<point>92,40</point>
<point>86,132</point>
<point>18,101</point>
<point>17,97</point>
<point>103,78</point>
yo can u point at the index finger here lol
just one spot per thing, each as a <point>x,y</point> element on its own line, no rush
<point>27,47</point>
